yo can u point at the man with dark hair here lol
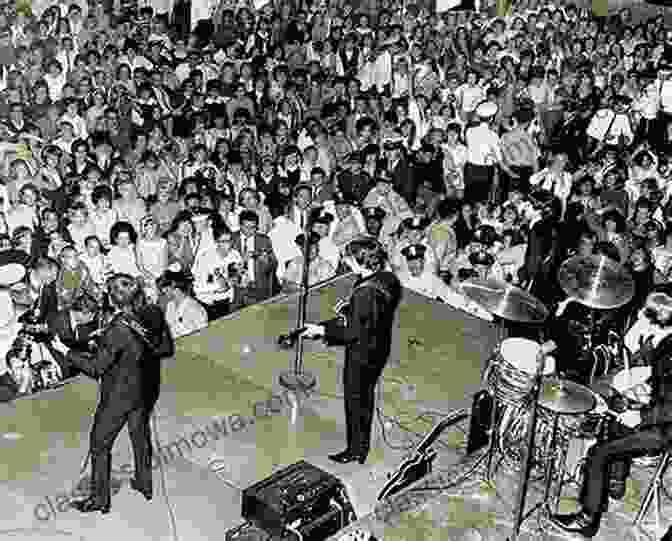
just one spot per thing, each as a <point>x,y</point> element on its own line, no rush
<point>260,281</point>
<point>127,362</point>
<point>365,329</point>
<point>75,327</point>
<point>650,340</point>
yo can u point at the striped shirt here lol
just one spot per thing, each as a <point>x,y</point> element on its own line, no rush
<point>519,149</point>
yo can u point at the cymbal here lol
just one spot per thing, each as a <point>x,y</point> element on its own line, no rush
<point>505,300</point>
<point>569,399</point>
<point>596,281</point>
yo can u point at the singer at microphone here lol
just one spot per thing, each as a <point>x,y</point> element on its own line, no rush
<point>366,333</point>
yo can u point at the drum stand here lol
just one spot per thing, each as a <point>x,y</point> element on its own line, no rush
<point>497,410</point>
<point>529,452</point>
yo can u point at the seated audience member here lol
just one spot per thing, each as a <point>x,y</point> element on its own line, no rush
<point>214,273</point>
<point>80,226</point>
<point>96,261</point>
<point>77,327</point>
<point>349,224</point>
<point>122,255</point>
<point>41,289</point>
<point>258,281</point>
<point>152,255</point>
<point>322,222</point>
<point>319,269</point>
<point>184,314</point>
<point>73,280</point>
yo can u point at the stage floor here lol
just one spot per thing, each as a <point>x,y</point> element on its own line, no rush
<point>220,429</point>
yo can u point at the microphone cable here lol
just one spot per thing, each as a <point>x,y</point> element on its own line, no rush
<point>164,490</point>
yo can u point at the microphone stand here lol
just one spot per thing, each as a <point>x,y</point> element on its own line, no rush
<point>297,379</point>
<point>529,445</point>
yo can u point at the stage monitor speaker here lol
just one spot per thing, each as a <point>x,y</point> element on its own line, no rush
<point>300,501</point>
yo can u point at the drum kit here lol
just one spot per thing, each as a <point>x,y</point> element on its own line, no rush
<point>535,413</point>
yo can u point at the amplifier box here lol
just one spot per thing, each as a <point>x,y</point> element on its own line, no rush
<point>299,499</point>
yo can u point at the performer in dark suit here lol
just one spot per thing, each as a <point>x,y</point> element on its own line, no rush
<point>366,333</point>
<point>126,361</point>
<point>260,281</point>
<point>653,435</point>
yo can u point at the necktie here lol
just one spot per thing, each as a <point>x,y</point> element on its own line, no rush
<point>303,220</point>
<point>250,260</point>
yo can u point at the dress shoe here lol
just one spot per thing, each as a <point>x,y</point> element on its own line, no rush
<point>146,493</point>
<point>89,505</point>
<point>577,523</point>
<point>348,456</point>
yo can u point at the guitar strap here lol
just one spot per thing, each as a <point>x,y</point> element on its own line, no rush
<point>137,328</point>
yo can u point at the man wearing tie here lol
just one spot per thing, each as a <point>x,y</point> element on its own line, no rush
<point>259,281</point>
<point>75,327</point>
<point>300,209</point>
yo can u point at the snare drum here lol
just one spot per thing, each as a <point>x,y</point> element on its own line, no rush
<point>511,370</point>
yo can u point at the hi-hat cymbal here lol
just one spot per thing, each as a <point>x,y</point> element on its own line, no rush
<point>568,399</point>
<point>505,300</point>
<point>596,281</point>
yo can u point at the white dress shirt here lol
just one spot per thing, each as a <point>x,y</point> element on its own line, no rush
<point>602,128</point>
<point>208,291</point>
<point>319,270</point>
<point>283,235</point>
<point>186,318</point>
<point>483,146</point>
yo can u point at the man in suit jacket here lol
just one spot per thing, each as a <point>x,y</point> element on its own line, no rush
<point>127,362</point>
<point>366,334</point>
<point>259,259</point>
<point>42,287</point>
<point>76,328</point>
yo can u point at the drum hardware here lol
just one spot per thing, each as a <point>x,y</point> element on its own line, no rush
<point>597,282</point>
<point>509,377</point>
<point>505,301</point>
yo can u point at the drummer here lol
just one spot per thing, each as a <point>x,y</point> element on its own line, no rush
<point>652,436</point>
<point>579,327</point>
<point>653,324</point>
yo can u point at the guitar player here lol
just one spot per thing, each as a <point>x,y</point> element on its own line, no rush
<point>366,334</point>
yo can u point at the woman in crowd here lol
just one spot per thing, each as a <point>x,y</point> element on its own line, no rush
<point>184,314</point>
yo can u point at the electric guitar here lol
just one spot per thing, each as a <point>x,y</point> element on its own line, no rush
<point>420,463</point>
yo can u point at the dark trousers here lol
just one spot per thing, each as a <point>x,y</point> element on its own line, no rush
<point>522,182</point>
<point>107,424</point>
<point>478,181</point>
<point>359,382</point>
<point>595,492</point>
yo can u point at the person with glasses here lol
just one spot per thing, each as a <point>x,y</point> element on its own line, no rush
<point>214,272</point>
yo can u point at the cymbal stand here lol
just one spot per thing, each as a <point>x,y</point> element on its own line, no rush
<point>529,449</point>
<point>496,414</point>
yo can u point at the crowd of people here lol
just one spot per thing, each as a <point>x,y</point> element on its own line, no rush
<point>211,153</point>
<point>196,155</point>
